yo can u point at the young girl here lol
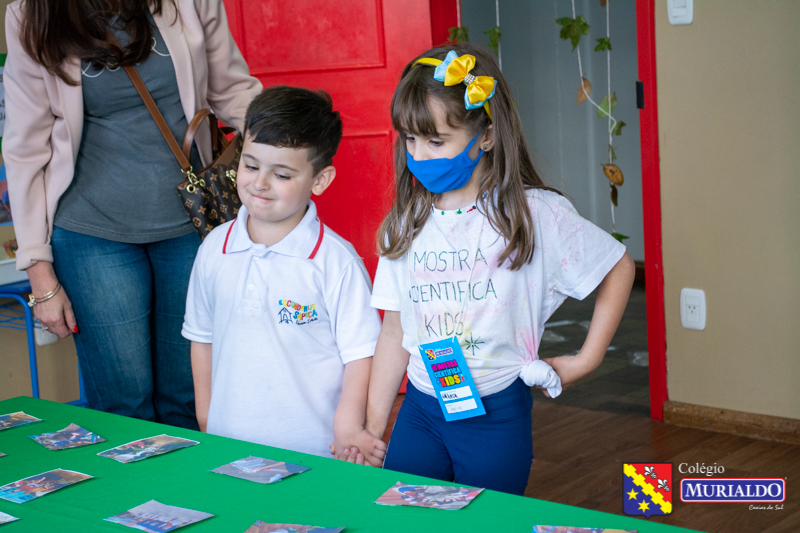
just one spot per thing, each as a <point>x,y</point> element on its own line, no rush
<point>477,249</point>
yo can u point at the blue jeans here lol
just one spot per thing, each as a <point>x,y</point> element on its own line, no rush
<point>492,451</point>
<point>129,301</point>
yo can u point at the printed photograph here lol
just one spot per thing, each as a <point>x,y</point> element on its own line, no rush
<point>71,436</point>
<point>437,497</point>
<point>5,203</point>
<point>260,470</point>
<point>17,419</point>
<point>6,518</point>
<point>35,486</point>
<point>264,527</point>
<point>149,447</point>
<point>568,529</point>
<point>156,517</point>
<point>2,454</point>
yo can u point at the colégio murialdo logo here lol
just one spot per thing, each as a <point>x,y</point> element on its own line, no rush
<point>744,490</point>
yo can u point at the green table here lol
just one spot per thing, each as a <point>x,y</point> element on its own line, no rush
<point>331,494</point>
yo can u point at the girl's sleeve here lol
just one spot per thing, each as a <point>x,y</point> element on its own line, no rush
<point>577,254</point>
<point>230,85</point>
<point>27,146</point>
<point>385,290</point>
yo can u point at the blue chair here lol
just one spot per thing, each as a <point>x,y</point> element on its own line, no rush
<point>11,317</point>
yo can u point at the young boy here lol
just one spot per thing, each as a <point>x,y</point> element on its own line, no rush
<point>278,307</point>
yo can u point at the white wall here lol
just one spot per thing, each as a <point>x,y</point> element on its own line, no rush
<point>569,142</point>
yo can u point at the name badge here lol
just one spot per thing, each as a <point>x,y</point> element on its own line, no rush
<point>458,397</point>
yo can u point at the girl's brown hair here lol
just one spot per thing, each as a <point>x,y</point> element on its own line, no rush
<point>54,30</point>
<point>507,169</point>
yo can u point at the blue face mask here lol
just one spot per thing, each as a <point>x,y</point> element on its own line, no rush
<point>442,175</point>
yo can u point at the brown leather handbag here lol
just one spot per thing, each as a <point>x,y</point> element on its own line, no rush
<point>210,195</point>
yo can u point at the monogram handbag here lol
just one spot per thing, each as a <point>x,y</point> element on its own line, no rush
<point>209,195</point>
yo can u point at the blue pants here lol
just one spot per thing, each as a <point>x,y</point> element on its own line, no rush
<point>129,301</point>
<point>492,451</point>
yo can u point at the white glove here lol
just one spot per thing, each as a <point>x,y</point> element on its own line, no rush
<point>539,373</point>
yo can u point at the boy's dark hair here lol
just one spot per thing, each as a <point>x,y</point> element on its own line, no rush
<point>294,117</point>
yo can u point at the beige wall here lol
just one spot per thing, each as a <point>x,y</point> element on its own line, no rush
<point>58,367</point>
<point>729,133</point>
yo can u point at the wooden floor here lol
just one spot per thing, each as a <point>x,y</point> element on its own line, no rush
<point>579,455</point>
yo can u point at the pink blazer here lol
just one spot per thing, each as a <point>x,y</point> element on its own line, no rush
<point>44,115</point>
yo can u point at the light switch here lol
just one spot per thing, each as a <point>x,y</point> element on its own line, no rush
<point>680,11</point>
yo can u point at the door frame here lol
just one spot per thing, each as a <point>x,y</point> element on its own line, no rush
<point>447,13</point>
<point>651,208</point>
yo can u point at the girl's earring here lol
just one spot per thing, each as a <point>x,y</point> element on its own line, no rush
<point>485,147</point>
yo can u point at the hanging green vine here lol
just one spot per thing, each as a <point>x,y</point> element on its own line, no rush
<point>494,38</point>
<point>573,29</point>
<point>459,34</point>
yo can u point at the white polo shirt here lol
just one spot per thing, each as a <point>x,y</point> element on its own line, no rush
<point>283,321</point>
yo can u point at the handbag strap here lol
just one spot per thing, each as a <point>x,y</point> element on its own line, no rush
<point>194,125</point>
<point>141,88</point>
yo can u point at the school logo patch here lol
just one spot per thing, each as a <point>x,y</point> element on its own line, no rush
<point>433,354</point>
<point>292,312</point>
<point>647,489</point>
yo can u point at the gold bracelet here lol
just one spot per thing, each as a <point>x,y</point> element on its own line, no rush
<point>32,300</point>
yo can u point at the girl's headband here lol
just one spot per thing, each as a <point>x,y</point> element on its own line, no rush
<point>454,70</point>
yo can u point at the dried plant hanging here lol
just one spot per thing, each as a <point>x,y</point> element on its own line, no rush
<point>573,29</point>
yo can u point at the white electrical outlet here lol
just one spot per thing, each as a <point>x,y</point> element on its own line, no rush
<point>693,309</point>
<point>680,12</point>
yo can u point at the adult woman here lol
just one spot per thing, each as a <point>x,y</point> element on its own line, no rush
<point>102,233</point>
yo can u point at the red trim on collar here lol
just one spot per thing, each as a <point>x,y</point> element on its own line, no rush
<point>313,253</point>
<point>319,240</point>
<point>225,245</point>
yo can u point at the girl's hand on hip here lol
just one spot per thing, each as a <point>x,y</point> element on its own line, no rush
<point>570,368</point>
<point>56,313</point>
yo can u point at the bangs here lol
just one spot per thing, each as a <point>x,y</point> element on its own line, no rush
<point>411,111</point>
<point>419,98</point>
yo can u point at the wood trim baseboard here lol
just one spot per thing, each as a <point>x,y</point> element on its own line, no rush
<point>754,426</point>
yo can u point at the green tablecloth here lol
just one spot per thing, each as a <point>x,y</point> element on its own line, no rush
<point>331,494</point>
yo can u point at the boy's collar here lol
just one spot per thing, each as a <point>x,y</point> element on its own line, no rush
<point>303,241</point>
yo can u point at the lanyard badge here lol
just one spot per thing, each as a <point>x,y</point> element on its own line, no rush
<point>452,383</point>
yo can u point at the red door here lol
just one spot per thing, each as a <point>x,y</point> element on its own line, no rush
<point>355,50</point>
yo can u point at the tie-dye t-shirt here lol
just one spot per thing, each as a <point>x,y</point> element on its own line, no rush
<point>453,261</point>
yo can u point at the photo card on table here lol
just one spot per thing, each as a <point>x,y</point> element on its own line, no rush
<point>71,436</point>
<point>260,470</point>
<point>144,448</point>
<point>264,527</point>
<point>39,485</point>
<point>6,518</point>
<point>156,517</point>
<point>568,529</point>
<point>434,496</point>
<point>12,420</point>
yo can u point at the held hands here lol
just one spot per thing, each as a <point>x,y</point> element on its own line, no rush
<point>360,447</point>
<point>56,313</point>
